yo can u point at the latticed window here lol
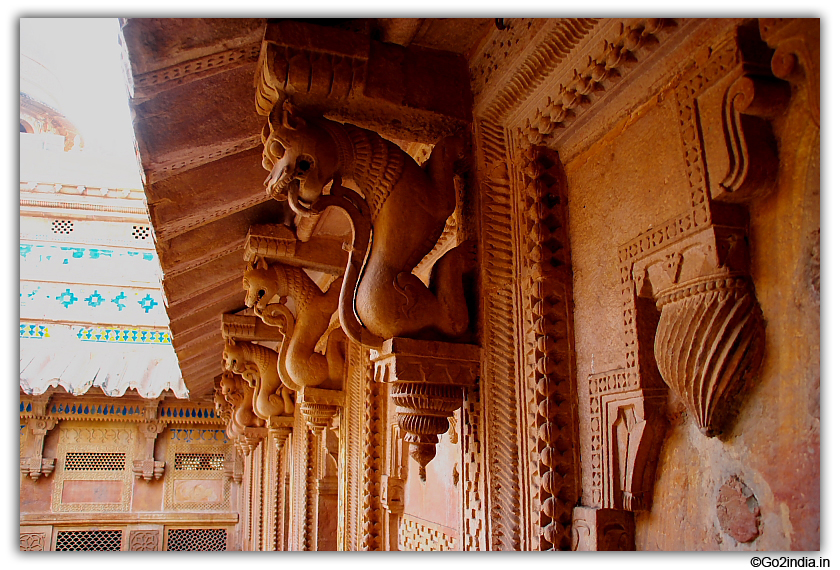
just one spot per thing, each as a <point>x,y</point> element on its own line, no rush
<point>94,461</point>
<point>100,540</point>
<point>62,226</point>
<point>199,461</point>
<point>140,232</point>
<point>196,539</point>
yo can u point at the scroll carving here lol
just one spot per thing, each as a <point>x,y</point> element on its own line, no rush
<point>725,107</point>
<point>234,399</point>
<point>550,347</point>
<point>797,55</point>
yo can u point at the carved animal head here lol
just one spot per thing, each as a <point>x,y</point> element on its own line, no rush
<point>234,357</point>
<point>300,156</point>
<point>261,285</point>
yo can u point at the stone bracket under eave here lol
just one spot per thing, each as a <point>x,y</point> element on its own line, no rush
<point>409,93</point>
<point>276,242</point>
<point>427,381</point>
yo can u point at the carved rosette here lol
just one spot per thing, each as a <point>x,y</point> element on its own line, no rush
<point>709,345</point>
<point>427,385</point>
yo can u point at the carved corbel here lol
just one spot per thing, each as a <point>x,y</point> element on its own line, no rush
<point>36,464</point>
<point>797,55</point>
<point>146,467</point>
<point>319,406</point>
<point>234,468</point>
<point>277,243</point>
<point>727,104</point>
<point>710,336</point>
<point>603,529</point>
<point>427,381</point>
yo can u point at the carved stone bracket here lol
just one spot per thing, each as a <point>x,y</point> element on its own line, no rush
<point>427,380</point>
<point>603,529</point>
<point>146,467</point>
<point>319,406</point>
<point>710,338</point>
<point>328,69</point>
<point>279,429</point>
<point>35,464</point>
<point>797,55</point>
<point>248,327</point>
<point>276,242</point>
<point>234,469</point>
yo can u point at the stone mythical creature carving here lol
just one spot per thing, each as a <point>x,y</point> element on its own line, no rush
<point>298,363</point>
<point>258,366</point>
<point>407,206</point>
<point>239,396</point>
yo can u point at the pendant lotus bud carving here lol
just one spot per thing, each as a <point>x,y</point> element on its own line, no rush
<point>709,345</point>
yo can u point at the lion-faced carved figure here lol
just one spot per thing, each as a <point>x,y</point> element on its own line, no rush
<point>408,207</point>
<point>238,395</point>
<point>258,366</point>
<point>298,363</point>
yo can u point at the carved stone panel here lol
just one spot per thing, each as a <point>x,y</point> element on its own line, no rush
<point>144,540</point>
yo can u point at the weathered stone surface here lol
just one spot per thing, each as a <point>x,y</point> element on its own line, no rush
<point>738,510</point>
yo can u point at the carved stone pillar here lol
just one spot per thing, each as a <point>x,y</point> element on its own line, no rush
<point>319,408</point>
<point>427,381</point>
<point>146,467</point>
<point>280,435</point>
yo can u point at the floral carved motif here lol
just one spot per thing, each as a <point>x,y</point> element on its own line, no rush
<point>144,540</point>
<point>33,541</point>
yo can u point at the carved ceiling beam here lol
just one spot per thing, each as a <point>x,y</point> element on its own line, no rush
<point>148,85</point>
<point>404,92</point>
<point>179,162</point>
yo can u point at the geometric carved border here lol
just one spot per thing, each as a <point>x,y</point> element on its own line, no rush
<point>199,498</point>
<point>420,535</point>
<point>113,439</point>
